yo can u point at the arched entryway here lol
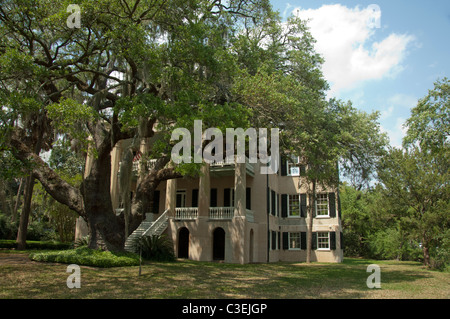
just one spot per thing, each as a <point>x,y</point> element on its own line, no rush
<point>183,243</point>
<point>218,244</point>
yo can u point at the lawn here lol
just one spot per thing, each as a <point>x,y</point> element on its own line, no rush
<point>21,278</point>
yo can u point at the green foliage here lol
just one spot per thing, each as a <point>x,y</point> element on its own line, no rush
<point>8,229</point>
<point>157,248</point>
<point>35,245</point>
<point>88,257</point>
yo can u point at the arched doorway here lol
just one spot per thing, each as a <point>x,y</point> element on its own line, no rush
<point>218,244</point>
<point>183,243</point>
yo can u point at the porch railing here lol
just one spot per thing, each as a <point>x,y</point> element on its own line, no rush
<point>186,213</point>
<point>221,213</point>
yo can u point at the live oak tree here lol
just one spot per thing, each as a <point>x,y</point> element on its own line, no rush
<point>138,70</point>
<point>135,69</point>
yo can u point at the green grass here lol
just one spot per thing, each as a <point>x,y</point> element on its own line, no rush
<point>22,278</point>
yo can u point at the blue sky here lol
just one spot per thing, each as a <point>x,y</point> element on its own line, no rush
<point>386,65</point>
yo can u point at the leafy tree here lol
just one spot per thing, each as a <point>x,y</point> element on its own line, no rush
<point>134,70</point>
<point>417,176</point>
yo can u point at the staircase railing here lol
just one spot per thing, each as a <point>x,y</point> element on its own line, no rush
<point>157,224</point>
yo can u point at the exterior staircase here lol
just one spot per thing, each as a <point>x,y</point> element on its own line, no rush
<point>147,228</point>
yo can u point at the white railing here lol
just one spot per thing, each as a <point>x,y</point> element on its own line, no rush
<point>186,213</point>
<point>221,212</point>
<point>158,224</point>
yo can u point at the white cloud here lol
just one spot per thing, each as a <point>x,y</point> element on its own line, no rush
<point>345,40</point>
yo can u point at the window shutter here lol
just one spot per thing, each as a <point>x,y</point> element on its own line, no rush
<point>332,204</point>
<point>178,201</point>
<point>248,198</point>
<point>283,167</point>
<point>314,241</point>
<point>285,241</point>
<point>279,240</point>
<point>303,240</point>
<point>303,212</point>
<point>226,197</point>
<point>195,197</point>
<point>274,240</point>
<point>272,208</point>
<point>333,240</point>
<point>155,202</point>
<point>339,205</point>
<point>302,170</point>
<point>284,203</point>
<point>213,198</point>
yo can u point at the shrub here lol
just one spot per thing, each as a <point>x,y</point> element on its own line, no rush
<point>158,248</point>
<point>88,257</point>
<point>47,245</point>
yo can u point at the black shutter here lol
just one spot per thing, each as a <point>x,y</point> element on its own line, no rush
<point>283,166</point>
<point>302,170</point>
<point>284,203</point>
<point>314,241</point>
<point>333,240</point>
<point>279,240</point>
<point>248,198</point>
<point>155,202</point>
<point>303,240</point>
<point>285,241</point>
<point>226,197</point>
<point>195,197</point>
<point>339,205</point>
<point>272,209</point>
<point>332,204</point>
<point>303,212</point>
<point>178,201</point>
<point>213,198</point>
<point>274,240</point>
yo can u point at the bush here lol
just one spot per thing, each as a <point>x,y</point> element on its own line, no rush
<point>47,245</point>
<point>88,257</point>
<point>158,248</point>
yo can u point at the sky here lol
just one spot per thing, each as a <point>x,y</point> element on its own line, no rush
<point>381,55</point>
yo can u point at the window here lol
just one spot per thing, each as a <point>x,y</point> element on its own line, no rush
<point>181,198</point>
<point>294,205</point>
<point>293,168</point>
<point>322,205</point>
<point>323,240</point>
<point>294,241</point>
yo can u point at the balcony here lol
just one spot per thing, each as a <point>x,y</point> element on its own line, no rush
<point>215,213</point>
<point>224,168</point>
<point>221,213</point>
<point>186,213</point>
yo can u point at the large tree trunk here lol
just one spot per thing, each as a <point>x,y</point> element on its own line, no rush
<point>25,214</point>
<point>311,210</point>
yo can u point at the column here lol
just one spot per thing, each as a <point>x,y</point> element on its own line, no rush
<point>116,155</point>
<point>204,191</point>
<point>171,196</point>
<point>238,229</point>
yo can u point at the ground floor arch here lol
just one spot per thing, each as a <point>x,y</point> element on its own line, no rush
<point>183,243</point>
<point>218,244</point>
